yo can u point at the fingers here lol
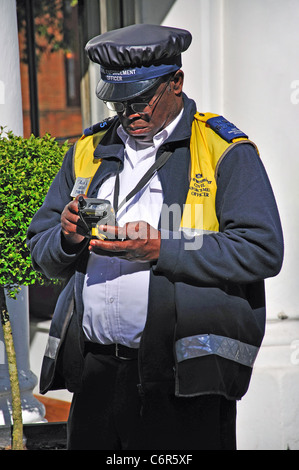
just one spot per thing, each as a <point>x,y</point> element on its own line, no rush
<point>69,214</point>
<point>136,241</point>
<point>69,222</point>
<point>113,232</point>
<point>115,243</point>
<point>130,231</point>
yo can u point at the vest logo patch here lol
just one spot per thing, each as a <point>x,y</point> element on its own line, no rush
<point>227,130</point>
<point>200,186</point>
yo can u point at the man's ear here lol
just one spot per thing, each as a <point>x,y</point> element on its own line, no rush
<point>178,81</point>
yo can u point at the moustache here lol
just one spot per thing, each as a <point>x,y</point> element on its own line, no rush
<point>129,120</point>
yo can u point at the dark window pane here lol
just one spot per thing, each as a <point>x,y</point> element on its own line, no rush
<point>57,67</point>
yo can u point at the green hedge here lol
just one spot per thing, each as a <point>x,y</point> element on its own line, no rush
<point>27,168</point>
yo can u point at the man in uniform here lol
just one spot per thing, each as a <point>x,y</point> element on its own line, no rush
<point>163,312</point>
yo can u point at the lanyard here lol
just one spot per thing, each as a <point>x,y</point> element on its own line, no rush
<point>144,180</point>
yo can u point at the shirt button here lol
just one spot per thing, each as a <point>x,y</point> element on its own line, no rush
<point>111,300</point>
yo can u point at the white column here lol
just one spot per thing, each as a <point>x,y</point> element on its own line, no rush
<point>11,116</point>
<point>32,410</point>
<point>203,61</point>
<point>10,88</point>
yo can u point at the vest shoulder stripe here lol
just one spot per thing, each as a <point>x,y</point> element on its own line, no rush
<point>227,130</point>
<point>99,126</point>
<point>221,126</point>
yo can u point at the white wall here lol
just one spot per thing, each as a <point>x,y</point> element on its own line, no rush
<point>261,63</point>
<point>10,85</point>
<point>243,63</point>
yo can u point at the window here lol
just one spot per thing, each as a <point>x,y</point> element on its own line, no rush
<point>50,71</point>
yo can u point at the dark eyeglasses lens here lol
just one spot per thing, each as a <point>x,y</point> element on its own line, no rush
<point>118,107</point>
<point>139,107</point>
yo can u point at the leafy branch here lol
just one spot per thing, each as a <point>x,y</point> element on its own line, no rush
<point>49,19</point>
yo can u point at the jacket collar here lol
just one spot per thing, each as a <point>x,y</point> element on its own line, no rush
<point>111,145</point>
<point>183,130</point>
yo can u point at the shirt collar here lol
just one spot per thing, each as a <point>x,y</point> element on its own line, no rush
<point>158,139</point>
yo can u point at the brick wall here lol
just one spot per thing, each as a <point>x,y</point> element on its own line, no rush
<point>56,117</point>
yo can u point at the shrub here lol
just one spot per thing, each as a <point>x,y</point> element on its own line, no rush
<point>27,168</point>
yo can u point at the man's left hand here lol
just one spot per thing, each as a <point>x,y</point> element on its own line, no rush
<point>135,241</point>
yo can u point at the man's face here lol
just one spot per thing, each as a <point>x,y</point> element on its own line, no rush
<point>165,103</point>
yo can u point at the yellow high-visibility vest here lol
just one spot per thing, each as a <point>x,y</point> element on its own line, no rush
<point>212,137</point>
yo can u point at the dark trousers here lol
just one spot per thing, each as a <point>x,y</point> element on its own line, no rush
<point>109,414</point>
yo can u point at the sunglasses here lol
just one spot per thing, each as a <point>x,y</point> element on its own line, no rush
<point>139,107</point>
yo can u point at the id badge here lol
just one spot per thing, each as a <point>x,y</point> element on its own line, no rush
<point>80,186</point>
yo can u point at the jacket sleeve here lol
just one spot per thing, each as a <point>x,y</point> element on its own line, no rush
<point>249,244</point>
<point>44,237</point>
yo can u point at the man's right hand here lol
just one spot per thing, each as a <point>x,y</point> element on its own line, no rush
<point>69,220</point>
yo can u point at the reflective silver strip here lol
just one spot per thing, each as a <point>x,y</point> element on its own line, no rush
<point>204,345</point>
<point>51,347</point>
<point>195,232</point>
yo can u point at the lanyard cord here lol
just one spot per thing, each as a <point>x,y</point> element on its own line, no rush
<point>144,180</point>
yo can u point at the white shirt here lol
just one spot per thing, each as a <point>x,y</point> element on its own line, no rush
<point>115,292</point>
